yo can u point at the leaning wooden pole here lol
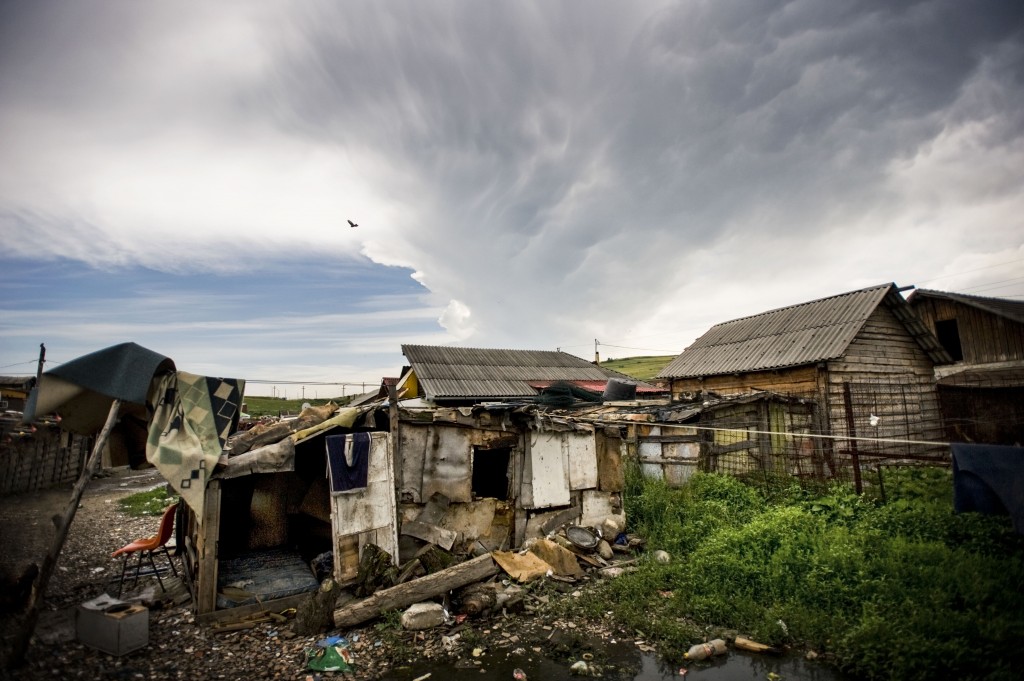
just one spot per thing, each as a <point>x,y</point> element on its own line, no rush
<point>63,523</point>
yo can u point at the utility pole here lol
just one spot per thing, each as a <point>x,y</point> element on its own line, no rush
<point>42,359</point>
<point>303,392</point>
<point>597,356</point>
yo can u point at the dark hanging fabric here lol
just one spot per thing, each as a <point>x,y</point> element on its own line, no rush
<point>348,461</point>
<point>989,479</point>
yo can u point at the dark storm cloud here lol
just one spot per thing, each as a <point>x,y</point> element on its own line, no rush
<point>546,137</point>
<point>551,161</point>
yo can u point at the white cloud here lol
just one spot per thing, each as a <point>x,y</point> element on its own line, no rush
<point>457,320</point>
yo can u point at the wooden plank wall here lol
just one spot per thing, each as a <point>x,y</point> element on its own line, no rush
<point>47,458</point>
<point>984,337</point>
<point>885,356</point>
<point>797,380</point>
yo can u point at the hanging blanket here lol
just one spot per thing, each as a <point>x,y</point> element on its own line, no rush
<point>192,417</point>
<point>348,461</point>
<point>989,479</point>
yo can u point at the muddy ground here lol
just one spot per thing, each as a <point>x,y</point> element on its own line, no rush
<point>180,648</point>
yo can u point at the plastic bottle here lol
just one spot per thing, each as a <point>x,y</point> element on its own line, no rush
<point>705,650</point>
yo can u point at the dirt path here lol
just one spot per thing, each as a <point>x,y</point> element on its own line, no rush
<point>179,648</point>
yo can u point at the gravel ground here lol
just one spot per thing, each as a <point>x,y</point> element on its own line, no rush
<point>179,648</point>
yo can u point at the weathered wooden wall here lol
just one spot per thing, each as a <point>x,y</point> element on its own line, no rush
<point>891,377</point>
<point>984,337</point>
<point>786,381</point>
<point>47,458</point>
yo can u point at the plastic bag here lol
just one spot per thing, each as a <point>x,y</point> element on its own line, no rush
<point>330,655</point>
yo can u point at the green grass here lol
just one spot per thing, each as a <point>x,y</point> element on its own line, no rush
<point>273,406</point>
<point>902,588</point>
<point>641,368</point>
<point>150,502</point>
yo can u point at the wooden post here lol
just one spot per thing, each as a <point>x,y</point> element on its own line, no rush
<point>206,548</point>
<point>851,427</point>
<point>63,523</point>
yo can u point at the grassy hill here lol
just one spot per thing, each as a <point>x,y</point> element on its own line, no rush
<point>274,406</point>
<point>642,368</point>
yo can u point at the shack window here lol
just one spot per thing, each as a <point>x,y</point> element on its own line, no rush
<point>949,337</point>
<point>490,472</point>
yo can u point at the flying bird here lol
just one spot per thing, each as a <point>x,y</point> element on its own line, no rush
<point>352,224</point>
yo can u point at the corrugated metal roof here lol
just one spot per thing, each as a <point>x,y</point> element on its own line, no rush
<point>790,336</point>
<point>1011,309</point>
<point>446,372</point>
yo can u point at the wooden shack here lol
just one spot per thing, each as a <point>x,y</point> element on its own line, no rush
<point>982,392</point>
<point>862,356</point>
<point>501,474</point>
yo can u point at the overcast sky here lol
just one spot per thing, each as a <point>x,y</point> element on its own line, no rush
<point>524,175</point>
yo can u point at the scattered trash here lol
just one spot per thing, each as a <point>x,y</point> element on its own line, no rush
<point>772,676</point>
<point>423,616</point>
<point>705,650</point>
<point>583,537</point>
<point>683,671</point>
<point>423,678</point>
<point>580,668</point>
<point>518,674</point>
<point>662,556</point>
<point>754,647</point>
<point>331,654</point>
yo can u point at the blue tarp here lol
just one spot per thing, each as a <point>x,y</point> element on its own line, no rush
<point>989,479</point>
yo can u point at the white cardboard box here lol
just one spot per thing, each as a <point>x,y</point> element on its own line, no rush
<point>111,625</point>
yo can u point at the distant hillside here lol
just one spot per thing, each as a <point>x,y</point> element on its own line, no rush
<point>642,368</point>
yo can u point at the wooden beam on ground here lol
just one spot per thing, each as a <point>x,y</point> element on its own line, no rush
<point>63,524</point>
<point>418,590</point>
<point>243,613</point>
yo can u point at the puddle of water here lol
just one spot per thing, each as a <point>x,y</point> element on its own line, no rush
<point>626,663</point>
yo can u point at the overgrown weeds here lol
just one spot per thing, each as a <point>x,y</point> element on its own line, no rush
<point>899,587</point>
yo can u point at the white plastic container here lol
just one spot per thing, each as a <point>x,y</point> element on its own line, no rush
<point>705,650</point>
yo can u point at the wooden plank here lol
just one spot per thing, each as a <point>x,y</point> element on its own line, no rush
<point>209,537</point>
<point>404,595</point>
<point>241,612</point>
<point>430,533</point>
<point>559,519</point>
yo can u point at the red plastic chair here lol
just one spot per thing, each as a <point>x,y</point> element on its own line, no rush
<point>145,548</point>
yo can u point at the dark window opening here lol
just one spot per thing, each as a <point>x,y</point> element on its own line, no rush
<point>490,472</point>
<point>949,338</point>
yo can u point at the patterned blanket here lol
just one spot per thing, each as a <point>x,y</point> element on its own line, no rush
<point>192,417</point>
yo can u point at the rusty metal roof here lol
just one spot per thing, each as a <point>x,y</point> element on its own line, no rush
<point>797,335</point>
<point>446,372</point>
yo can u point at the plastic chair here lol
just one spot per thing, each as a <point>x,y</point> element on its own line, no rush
<point>146,547</point>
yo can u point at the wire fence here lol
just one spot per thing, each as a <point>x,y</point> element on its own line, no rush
<point>849,434</point>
